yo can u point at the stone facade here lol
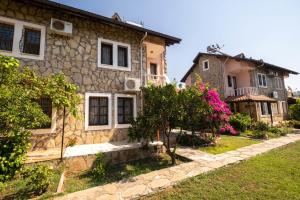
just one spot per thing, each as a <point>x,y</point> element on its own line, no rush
<point>76,57</point>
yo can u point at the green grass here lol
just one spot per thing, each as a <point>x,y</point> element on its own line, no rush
<point>80,181</point>
<point>228,143</point>
<point>274,175</point>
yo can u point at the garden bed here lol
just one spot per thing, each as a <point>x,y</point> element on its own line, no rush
<point>83,180</point>
<point>228,143</point>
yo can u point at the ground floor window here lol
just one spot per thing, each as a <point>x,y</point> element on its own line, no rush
<point>275,108</point>
<point>264,108</point>
<point>125,110</point>
<point>97,111</point>
<point>46,106</point>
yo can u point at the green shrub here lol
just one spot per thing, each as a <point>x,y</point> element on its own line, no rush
<point>240,122</point>
<point>196,140</point>
<point>261,126</point>
<point>259,134</point>
<point>37,179</point>
<point>294,124</point>
<point>99,169</point>
<point>294,110</point>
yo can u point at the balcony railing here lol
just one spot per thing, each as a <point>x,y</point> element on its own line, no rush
<point>244,91</point>
<point>155,79</point>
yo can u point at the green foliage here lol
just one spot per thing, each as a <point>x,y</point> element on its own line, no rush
<point>240,122</point>
<point>99,169</point>
<point>193,140</point>
<point>294,110</point>
<point>261,126</point>
<point>19,111</point>
<point>294,124</point>
<point>37,179</point>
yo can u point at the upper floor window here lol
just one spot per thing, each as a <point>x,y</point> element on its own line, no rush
<point>262,80</point>
<point>153,69</point>
<point>205,65</point>
<point>22,39</point>
<point>114,55</point>
<point>6,37</point>
<point>279,83</point>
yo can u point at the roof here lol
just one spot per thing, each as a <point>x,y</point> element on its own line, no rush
<point>85,14</point>
<point>249,97</point>
<point>239,57</point>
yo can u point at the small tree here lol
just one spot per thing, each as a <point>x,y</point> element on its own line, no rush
<point>295,110</point>
<point>161,112</point>
<point>19,110</point>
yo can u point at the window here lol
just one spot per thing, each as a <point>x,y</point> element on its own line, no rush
<point>22,39</point>
<point>262,80</point>
<point>153,69</point>
<point>125,110</point>
<point>106,54</point>
<point>32,40</point>
<point>205,65</point>
<point>122,56</point>
<point>114,55</point>
<point>97,111</point>
<point>6,37</point>
<point>229,81</point>
<point>46,106</point>
<point>284,108</point>
<point>264,108</point>
<point>279,83</point>
<point>274,108</point>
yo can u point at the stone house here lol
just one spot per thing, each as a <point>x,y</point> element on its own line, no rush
<point>108,58</point>
<point>249,86</point>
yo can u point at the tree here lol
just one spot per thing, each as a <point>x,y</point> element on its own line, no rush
<point>19,111</point>
<point>295,110</point>
<point>161,112</point>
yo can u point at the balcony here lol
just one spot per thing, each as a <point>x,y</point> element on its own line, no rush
<point>244,91</point>
<point>156,80</point>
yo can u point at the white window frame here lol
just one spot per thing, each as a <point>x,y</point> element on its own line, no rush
<point>115,45</point>
<point>86,111</point>
<point>262,86</point>
<point>47,130</point>
<point>203,65</point>
<point>116,109</point>
<point>18,30</point>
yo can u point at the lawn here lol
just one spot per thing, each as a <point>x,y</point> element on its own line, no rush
<point>274,175</point>
<point>80,181</point>
<point>228,143</point>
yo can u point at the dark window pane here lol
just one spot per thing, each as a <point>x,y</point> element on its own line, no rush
<point>125,110</point>
<point>46,106</point>
<point>122,56</point>
<point>206,65</point>
<point>32,40</point>
<point>229,81</point>
<point>264,83</point>
<point>98,111</point>
<point>106,54</point>
<point>259,80</point>
<point>6,37</point>
<point>153,69</point>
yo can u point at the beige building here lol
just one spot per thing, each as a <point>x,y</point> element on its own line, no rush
<point>108,58</point>
<point>249,86</point>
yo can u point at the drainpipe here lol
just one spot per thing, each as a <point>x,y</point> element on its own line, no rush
<point>224,77</point>
<point>141,67</point>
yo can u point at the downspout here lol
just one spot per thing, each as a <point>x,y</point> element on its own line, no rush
<point>223,68</point>
<point>141,66</point>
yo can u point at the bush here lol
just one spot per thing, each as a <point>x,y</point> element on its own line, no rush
<point>259,134</point>
<point>240,122</point>
<point>228,130</point>
<point>37,179</point>
<point>294,124</point>
<point>261,126</point>
<point>99,170</point>
<point>193,140</point>
<point>294,110</point>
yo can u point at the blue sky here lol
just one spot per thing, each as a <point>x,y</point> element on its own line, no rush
<point>268,29</point>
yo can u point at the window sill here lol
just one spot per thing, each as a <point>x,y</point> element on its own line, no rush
<point>263,86</point>
<point>122,125</point>
<point>113,67</point>
<point>98,128</point>
<point>22,55</point>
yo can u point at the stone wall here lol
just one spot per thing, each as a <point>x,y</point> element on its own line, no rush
<point>76,57</point>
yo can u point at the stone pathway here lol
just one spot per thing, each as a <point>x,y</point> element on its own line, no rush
<point>155,181</point>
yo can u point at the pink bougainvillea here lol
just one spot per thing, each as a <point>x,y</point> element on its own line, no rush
<point>228,129</point>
